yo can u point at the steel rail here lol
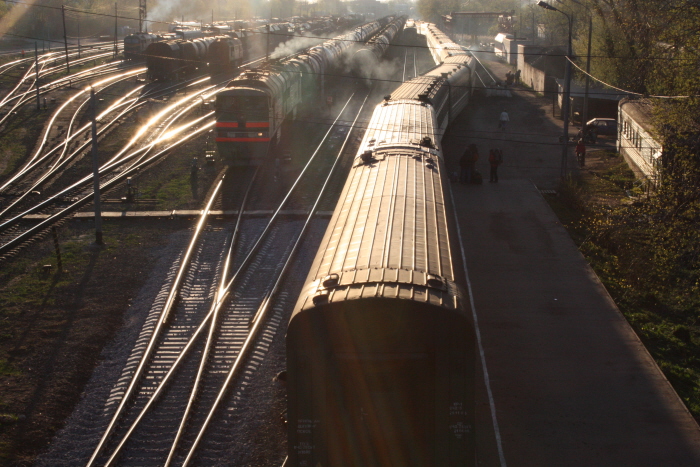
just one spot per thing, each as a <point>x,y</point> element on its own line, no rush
<point>30,165</point>
<point>58,166</point>
<point>109,165</point>
<point>42,74</point>
<point>58,111</point>
<point>160,325</point>
<point>195,335</point>
<point>261,315</point>
<point>27,96</point>
<point>147,95</point>
<point>220,300</point>
<point>88,198</point>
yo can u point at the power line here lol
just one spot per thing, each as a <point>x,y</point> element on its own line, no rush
<point>72,9</point>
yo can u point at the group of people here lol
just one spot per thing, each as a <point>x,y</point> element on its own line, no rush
<point>512,77</point>
<point>467,165</point>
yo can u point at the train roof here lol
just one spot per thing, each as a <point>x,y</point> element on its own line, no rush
<point>423,88</point>
<point>382,242</point>
<point>401,123</point>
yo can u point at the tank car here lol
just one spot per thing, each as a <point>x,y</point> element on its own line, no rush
<point>136,44</point>
<point>252,108</point>
<point>169,59</point>
<point>366,59</point>
<point>195,53</point>
<point>163,59</point>
<point>186,33</point>
<point>381,345</point>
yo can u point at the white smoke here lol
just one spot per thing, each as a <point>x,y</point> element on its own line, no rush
<point>298,43</point>
<point>294,45</point>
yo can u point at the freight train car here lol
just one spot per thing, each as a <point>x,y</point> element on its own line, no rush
<point>380,345</point>
<point>136,44</point>
<point>366,59</point>
<point>170,59</point>
<point>252,108</point>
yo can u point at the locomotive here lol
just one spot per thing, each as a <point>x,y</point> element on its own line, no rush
<point>380,345</point>
<point>225,54</point>
<point>252,108</point>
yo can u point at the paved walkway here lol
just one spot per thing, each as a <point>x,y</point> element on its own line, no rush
<point>569,382</point>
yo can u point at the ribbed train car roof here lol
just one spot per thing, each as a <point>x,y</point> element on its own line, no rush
<point>388,237</point>
<point>423,85</point>
<point>399,122</point>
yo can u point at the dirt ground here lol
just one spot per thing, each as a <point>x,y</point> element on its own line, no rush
<point>55,324</point>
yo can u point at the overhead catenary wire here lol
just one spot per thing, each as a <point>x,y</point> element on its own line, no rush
<point>72,9</point>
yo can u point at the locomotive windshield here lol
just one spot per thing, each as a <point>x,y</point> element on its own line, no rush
<point>241,107</point>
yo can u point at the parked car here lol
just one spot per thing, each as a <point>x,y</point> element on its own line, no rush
<point>603,126</point>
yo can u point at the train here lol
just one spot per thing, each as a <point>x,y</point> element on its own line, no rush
<point>252,35</point>
<point>439,44</point>
<point>366,59</point>
<point>252,108</point>
<point>136,44</point>
<point>381,347</point>
<point>172,59</point>
<point>225,54</point>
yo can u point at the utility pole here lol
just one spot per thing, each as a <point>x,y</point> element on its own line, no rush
<point>567,90</point>
<point>584,118</point>
<point>96,172</point>
<point>78,19</point>
<point>267,46</point>
<point>116,47</point>
<point>65,37</point>
<point>36,68</point>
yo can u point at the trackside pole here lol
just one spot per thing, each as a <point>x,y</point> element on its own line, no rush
<point>57,246</point>
<point>96,172</point>
<point>116,48</point>
<point>65,37</point>
<point>36,58</point>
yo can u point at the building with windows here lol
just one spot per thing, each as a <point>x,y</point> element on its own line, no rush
<point>636,139</point>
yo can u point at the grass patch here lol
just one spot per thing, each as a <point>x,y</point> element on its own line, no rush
<point>6,369</point>
<point>55,325</point>
<point>646,258</point>
<point>19,137</point>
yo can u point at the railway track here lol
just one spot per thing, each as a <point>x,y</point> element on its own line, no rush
<point>248,308</point>
<point>64,193</point>
<point>16,98</point>
<point>77,190</point>
<point>196,364</point>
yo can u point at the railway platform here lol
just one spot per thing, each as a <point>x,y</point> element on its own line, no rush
<point>566,381</point>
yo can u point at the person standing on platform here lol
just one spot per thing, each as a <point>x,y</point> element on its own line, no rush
<point>495,159</point>
<point>581,153</point>
<point>503,120</point>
